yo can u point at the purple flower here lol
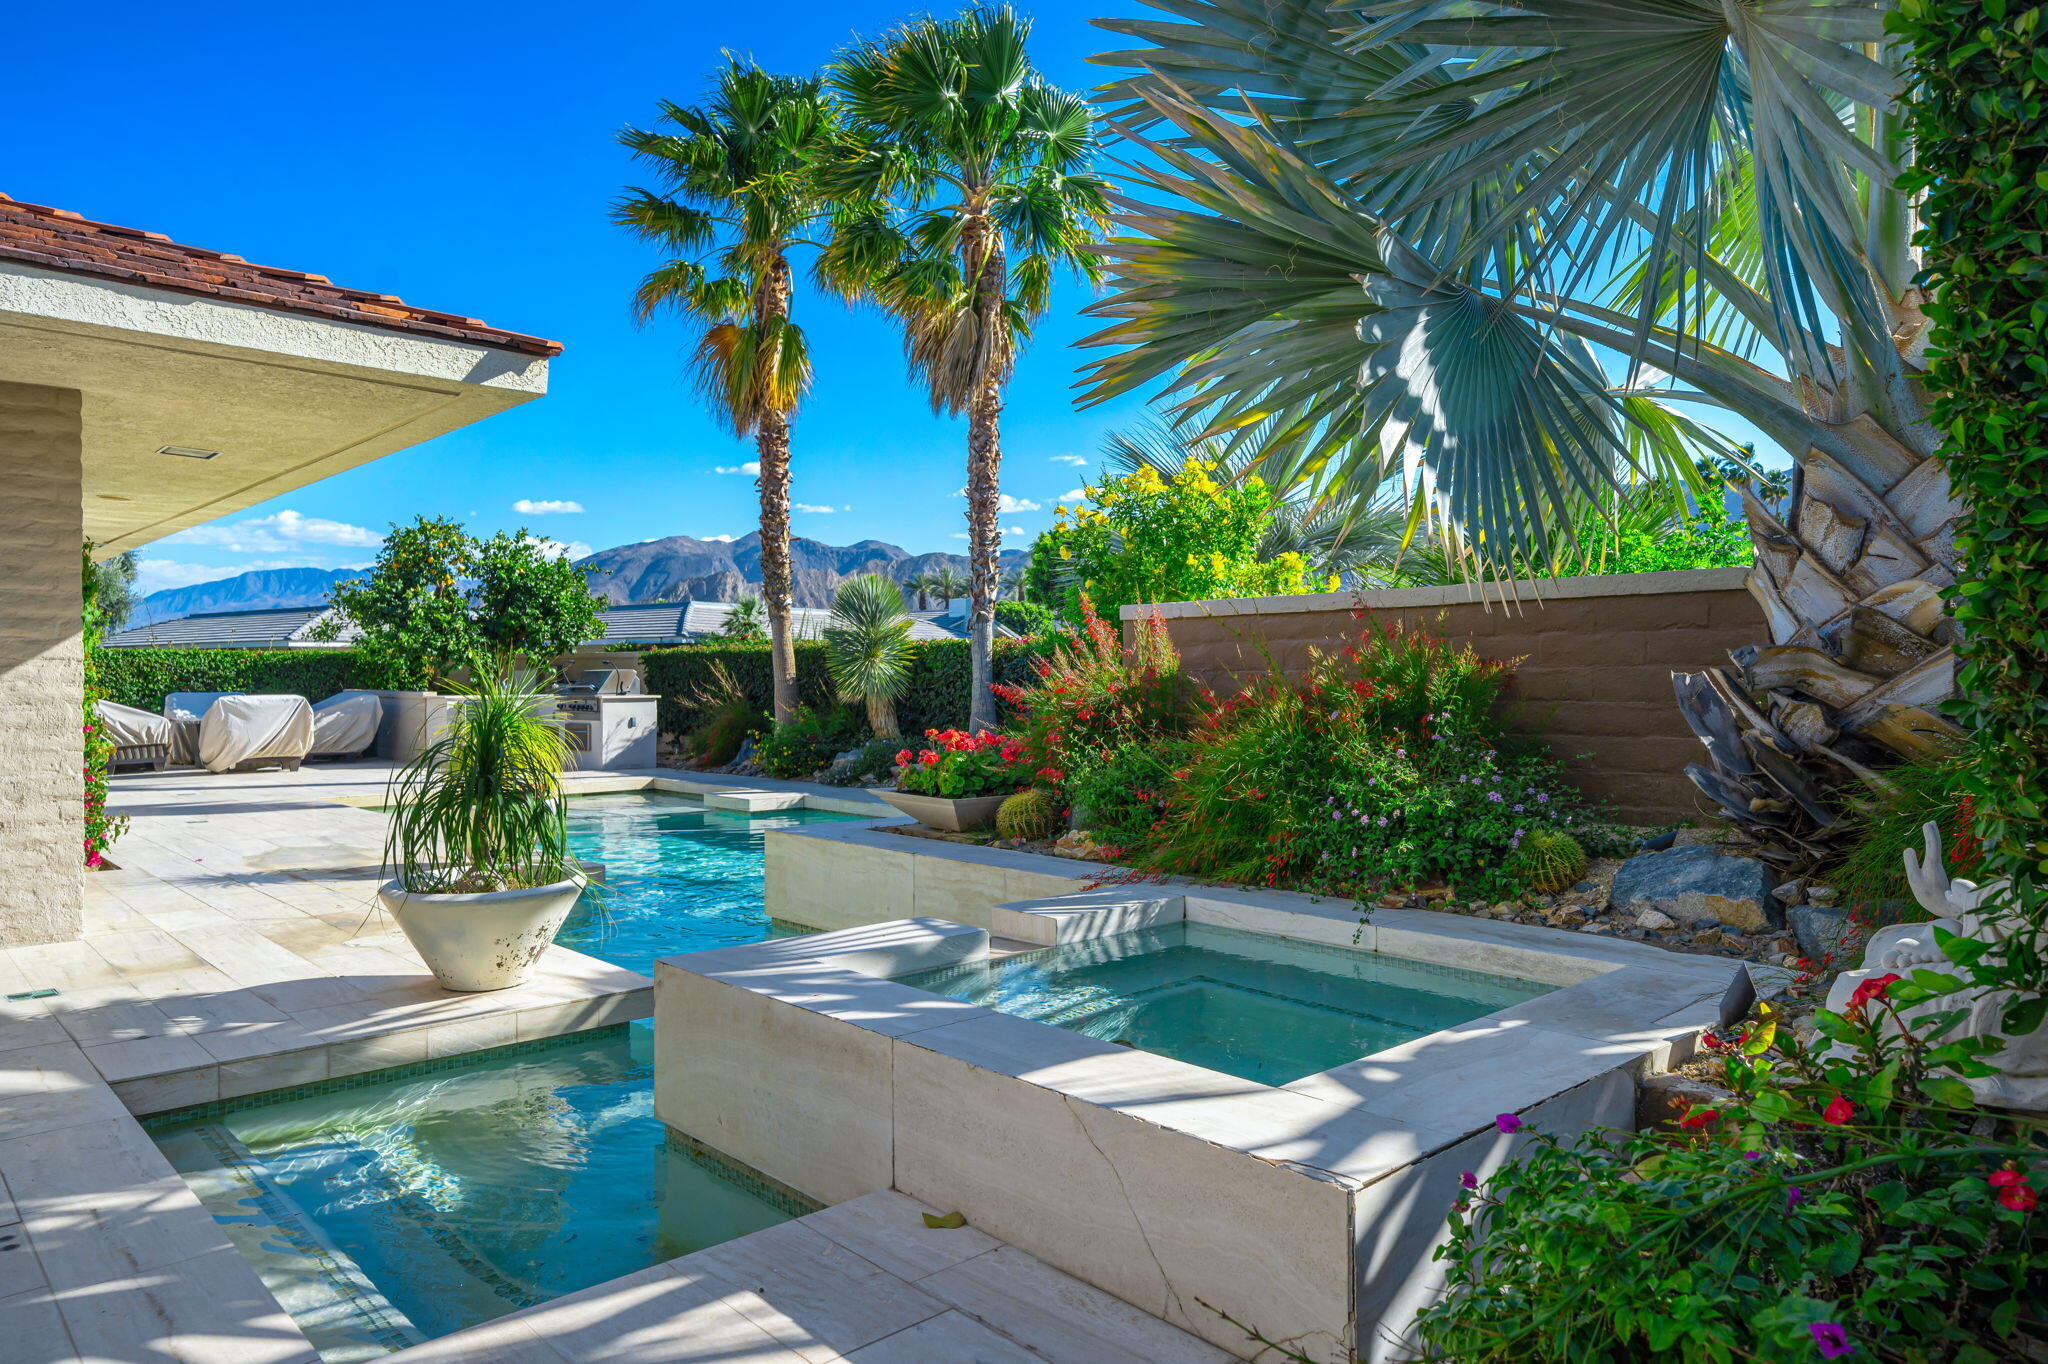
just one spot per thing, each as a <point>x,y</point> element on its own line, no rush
<point>1383,821</point>
<point>1542,799</point>
<point>1468,1180</point>
<point>1508,1122</point>
<point>1752,1155</point>
<point>1794,1196</point>
<point>1493,796</point>
<point>1518,807</point>
<point>1831,1340</point>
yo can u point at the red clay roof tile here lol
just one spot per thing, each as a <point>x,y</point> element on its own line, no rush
<point>59,239</point>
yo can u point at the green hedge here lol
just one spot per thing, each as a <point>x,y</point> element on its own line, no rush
<point>1978,109</point>
<point>937,698</point>
<point>143,677</point>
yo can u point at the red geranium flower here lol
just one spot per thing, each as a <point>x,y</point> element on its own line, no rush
<point>2013,1191</point>
<point>1838,1111</point>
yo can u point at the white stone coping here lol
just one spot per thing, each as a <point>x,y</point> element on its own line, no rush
<point>1618,1005</point>
<point>1523,591</point>
<point>810,795</point>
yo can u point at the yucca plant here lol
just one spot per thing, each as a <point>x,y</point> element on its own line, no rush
<point>482,808</point>
<point>1497,253</point>
<point>868,649</point>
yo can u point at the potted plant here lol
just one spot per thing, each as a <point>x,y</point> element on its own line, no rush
<point>958,781</point>
<point>478,848</point>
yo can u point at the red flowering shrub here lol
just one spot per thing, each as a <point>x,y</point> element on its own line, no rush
<point>956,764</point>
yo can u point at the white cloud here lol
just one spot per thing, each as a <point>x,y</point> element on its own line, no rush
<point>527,506</point>
<point>1015,530</point>
<point>959,535</point>
<point>155,575</point>
<point>560,549</point>
<point>813,507</point>
<point>1074,495</point>
<point>1074,460</point>
<point>277,534</point>
<point>752,468</point>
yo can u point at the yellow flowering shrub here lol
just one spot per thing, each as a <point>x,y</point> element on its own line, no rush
<point>1144,538</point>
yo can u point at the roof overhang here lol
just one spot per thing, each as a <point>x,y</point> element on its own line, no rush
<point>285,398</point>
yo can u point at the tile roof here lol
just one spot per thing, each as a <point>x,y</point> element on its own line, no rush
<point>273,628</point>
<point>688,622</point>
<point>58,239</point>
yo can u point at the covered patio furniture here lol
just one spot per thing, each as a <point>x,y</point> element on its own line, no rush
<point>242,733</point>
<point>185,709</point>
<point>141,740</point>
<point>345,724</point>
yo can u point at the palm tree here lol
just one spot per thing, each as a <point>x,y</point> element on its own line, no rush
<point>948,584</point>
<point>1494,253</point>
<point>868,648</point>
<point>989,169</point>
<point>739,190</point>
<point>746,621</point>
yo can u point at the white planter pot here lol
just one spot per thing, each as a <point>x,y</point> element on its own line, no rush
<point>955,814</point>
<point>487,941</point>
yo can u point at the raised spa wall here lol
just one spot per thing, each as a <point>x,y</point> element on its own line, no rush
<point>1308,1212</point>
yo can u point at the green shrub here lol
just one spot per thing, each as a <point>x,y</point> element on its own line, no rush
<point>1033,814</point>
<point>1886,824</point>
<point>1549,861</point>
<point>143,677</point>
<point>810,740</point>
<point>1026,617</point>
<point>1856,1205</point>
<point>934,698</point>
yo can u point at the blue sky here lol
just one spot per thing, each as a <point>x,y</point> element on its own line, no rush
<point>462,158</point>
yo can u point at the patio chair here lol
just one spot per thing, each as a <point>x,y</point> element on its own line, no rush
<point>243,733</point>
<point>142,741</point>
<point>345,725</point>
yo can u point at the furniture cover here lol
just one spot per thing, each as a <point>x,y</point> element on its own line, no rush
<point>345,724</point>
<point>255,731</point>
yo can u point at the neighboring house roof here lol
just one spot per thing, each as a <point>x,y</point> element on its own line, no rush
<point>283,627</point>
<point>698,621</point>
<point>58,239</point>
<point>955,624</point>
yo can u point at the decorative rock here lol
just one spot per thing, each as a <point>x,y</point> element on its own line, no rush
<point>1077,843</point>
<point>1584,888</point>
<point>1656,919</point>
<point>1793,892</point>
<point>1822,933</point>
<point>1698,884</point>
<point>1661,1100</point>
<point>1823,896</point>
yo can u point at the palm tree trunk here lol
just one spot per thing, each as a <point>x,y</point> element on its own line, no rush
<point>771,441</point>
<point>984,466</point>
<point>882,717</point>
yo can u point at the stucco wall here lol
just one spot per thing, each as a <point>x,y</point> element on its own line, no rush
<point>1595,660</point>
<point>41,665</point>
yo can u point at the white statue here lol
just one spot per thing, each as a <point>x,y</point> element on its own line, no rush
<point>2022,1081</point>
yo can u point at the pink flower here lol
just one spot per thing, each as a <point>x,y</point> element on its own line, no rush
<point>1831,1340</point>
<point>1468,1180</point>
<point>1870,989</point>
<point>2013,1192</point>
<point>1508,1122</point>
<point>1838,1111</point>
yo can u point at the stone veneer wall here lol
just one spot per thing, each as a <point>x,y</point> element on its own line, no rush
<point>42,665</point>
<point>1595,659</point>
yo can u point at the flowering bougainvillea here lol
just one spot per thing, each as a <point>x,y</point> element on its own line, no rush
<point>101,828</point>
<point>956,764</point>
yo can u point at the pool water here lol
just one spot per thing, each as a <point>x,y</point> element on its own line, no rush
<point>397,1207</point>
<point>678,877</point>
<point>1265,1009</point>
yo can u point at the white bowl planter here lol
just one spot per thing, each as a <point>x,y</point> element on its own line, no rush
<point>485,941</point>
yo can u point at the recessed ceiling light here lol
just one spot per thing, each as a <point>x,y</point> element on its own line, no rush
<point>187,452</point>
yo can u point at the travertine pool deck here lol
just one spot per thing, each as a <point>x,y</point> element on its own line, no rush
<point>238,949</point>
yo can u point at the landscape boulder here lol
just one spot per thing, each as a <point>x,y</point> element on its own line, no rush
<point>1699,884</point>
<point>1824,932</point>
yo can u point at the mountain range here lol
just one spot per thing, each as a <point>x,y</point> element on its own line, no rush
<point>676,568</point>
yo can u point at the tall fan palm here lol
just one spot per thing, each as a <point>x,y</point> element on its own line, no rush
<point>1497,250</point>
<point>989,169</point>
<point>739,191</point>
<point>947,585</point>
<point>868,648</point>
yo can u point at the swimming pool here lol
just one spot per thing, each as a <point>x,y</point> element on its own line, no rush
<point>1266,1009</point>
<point>678,877</point>
<point>396,1207</point>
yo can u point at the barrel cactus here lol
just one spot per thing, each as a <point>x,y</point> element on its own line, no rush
<point>1549,861</point>
<point>1033,815</point>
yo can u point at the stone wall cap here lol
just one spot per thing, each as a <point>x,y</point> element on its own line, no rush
<point>1521,592</point>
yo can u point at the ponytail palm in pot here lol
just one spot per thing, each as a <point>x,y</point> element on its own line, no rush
<point>478,847</point>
